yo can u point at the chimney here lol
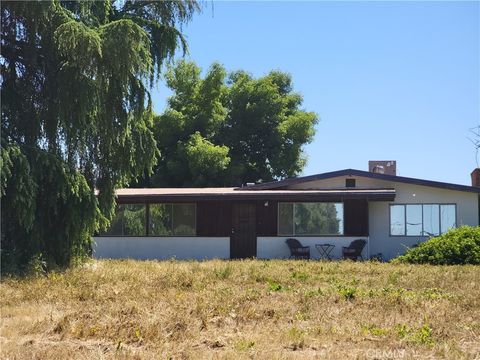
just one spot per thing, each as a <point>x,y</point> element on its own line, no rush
<point>476,177</point>
<point>387,167</point>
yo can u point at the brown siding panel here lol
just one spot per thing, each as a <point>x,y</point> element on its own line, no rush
<point>214,218</point>
<point>355,218</point>
<point>267,218</point>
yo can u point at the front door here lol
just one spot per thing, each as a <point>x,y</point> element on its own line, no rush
<point>243,241</point>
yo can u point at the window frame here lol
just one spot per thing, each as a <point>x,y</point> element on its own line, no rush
<point>148,217</point>
<point>405,218</point>
<point>309,202</point>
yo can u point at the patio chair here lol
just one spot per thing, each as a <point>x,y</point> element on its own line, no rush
<point>297,251</point>
<point>354,250</point>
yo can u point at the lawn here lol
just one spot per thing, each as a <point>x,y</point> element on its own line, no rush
<point>243,309</point>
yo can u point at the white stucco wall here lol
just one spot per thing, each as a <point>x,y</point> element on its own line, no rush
<point>275,247</point>
<point>379,215</point>
<point>148,248</point>
<point>379,212</point>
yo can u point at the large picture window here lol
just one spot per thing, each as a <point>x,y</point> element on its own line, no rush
<point>163,220</point>
<point>172,219</point>
<point>310,219</point>
<point>421,219</point>
<point>129,220</point>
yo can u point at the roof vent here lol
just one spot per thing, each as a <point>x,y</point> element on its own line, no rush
<point>387,167</point>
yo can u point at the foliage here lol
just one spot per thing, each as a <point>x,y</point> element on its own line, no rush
<point>160,219</point>
<point>76,115</point>
<point>457,246</point>
<point>316,218</point>
<point>134,219</point>
<point>223,130</point>
<point>206,161</point>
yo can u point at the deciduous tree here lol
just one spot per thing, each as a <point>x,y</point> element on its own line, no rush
<point>237,128</point>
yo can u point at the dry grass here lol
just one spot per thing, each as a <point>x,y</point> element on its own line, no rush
<point>243,309</point>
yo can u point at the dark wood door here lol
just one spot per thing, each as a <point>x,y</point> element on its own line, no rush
<point>243,240</point>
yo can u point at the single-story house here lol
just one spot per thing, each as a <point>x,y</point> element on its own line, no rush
<point>390,212</point>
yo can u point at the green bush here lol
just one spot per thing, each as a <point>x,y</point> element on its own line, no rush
<point>457,246</point>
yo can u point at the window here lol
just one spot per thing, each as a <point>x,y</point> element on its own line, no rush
<point>447,217</point>
<point>414,220</point>
<point>160,220</point>
<point>431,219</point>
<point>164,220</point>
<point>183,216</point>
<point>129,220</point>
<point>172,220</point>
<point>310,219</point>
<point>397,220</point>
<point>421,219</point>
<point>350,183</point>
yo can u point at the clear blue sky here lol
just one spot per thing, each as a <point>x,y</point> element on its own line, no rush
<point>389,81</point>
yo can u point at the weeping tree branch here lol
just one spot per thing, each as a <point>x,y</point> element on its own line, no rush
<point>76,105</point>
<point>475,140</point>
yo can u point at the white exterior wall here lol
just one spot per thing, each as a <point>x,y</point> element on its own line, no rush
<point>275,247</point>
<point>379,211</point>
<point>149,248</point>
<point>379,215</point>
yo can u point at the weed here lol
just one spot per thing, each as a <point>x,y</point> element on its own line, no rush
<point>274,286</point>
<point>224,272</point>
<point>374,330</point>
<point>423,335</point>
<point>300,276</point>
<point>314,292</point>
<point>348,292</point>
<point>296,338</point>
<point>243,345</point>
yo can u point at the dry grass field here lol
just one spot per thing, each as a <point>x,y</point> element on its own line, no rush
<point>243,309</point>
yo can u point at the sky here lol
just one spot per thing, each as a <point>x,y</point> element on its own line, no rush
<point>388,80</point>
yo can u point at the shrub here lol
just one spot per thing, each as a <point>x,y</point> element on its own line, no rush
<point>457,246</point>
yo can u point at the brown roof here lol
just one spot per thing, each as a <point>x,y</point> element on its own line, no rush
<point>230,193</point>
<point>353,172</point>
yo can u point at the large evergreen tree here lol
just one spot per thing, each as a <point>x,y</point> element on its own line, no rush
<point>228,130</point>
<point>76,115</point>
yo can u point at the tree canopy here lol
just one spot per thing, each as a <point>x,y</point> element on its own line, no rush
<point>228,129</point>
<point>77,115</point>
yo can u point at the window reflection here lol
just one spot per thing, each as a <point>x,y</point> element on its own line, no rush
<point>447,217</point>
<point>414,220</point>
<point>421,219</point>
<point>397,220</point>
<point>129,220</point>
<point>316,218</point>
<point>431,220</point>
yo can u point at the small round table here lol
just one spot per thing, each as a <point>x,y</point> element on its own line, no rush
<point>324,250</point>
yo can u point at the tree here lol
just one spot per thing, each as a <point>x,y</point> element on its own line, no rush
<point>187,132</point>
<point>265,128</point>
<point>76,115</point>
<point>238,129</point>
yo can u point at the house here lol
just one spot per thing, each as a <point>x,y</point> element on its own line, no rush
<point>390,212</point>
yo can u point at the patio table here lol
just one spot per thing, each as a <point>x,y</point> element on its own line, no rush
<point>324,250</point>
